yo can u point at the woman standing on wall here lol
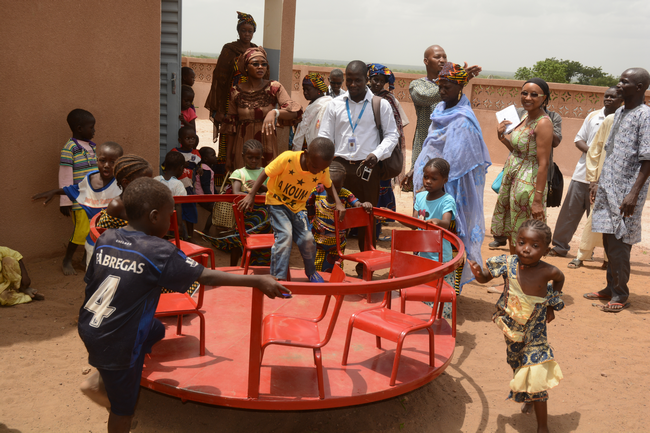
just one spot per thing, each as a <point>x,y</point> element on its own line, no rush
<point>523,190</point>
<point>225,75</point>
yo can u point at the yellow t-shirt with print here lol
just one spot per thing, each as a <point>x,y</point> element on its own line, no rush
<point>289,184</point>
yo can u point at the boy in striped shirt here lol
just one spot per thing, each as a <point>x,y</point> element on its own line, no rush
<point>77,160</point>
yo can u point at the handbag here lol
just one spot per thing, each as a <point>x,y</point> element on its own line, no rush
<point>496,185</point>
<point>555,188</point>
<point>392,166</point>
<point>222,213</point>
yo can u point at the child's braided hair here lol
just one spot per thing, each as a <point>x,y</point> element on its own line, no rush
<point>440,164</point>
<point>538,226</point>
<point>128,167</point>
<point>253,145</point>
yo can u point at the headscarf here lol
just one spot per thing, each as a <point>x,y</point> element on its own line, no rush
<point>454,73</point>
<point>378,69</point>
<point>245,59</point>
<point>243,18</point>
<point>542,85</point>
<point>316,80</point>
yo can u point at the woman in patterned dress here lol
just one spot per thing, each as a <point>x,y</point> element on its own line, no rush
<point>224,76</point>
<point>523,190</point>
<point>256,107</point>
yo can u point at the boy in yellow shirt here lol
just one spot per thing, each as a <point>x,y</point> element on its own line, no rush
<point>292,176</point>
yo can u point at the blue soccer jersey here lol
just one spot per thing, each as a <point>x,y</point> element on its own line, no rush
<point>126,273</point>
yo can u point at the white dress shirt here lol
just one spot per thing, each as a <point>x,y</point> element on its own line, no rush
<point>336,126</point>
<point>587,133</point>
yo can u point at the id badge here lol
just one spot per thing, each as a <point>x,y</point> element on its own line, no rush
<point>352,144</point>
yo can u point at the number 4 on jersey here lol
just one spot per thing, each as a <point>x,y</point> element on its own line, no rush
<point>100,302</point>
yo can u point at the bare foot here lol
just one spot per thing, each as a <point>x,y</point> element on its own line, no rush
<point>93,388</point>
<point>67,267</point>
<point>527,408</point>
<point>496,289</point>
<point>33,293</point>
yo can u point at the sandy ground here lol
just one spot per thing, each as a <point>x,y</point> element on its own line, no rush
<point>602,357</point>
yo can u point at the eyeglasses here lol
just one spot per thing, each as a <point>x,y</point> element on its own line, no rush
<point>524,93</point>
<point>258,64</point>
<point>335,83</point>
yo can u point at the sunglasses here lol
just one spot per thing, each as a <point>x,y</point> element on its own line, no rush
<point>258,64</point>
<point>335,83</point>
<point>524,93</point>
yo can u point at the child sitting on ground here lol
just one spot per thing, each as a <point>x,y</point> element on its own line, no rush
<point>116,321</point>
<point>243,178</point>
<point>127,169</point>
<point>323,222</point>
<point>188,113</point>
<point>96,190</point>
<point>531,292</point>
<point>204,183</point>
<point>187,148</point>
<point>14,280</point>
<point>77,160</point>
<point>187,76</point>
<point>292,175</point>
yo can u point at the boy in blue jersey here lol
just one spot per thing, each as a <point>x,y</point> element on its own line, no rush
<point>128,269</point>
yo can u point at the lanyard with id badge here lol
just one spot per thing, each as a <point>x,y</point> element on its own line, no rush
<point>352,141</point>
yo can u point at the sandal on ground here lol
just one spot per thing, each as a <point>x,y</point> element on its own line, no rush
<point>604,266</point>
<point>595,296</point>
<point>613,307</point>
<point>384,238</point>
<point>574,264</point>
<point>553,253</point>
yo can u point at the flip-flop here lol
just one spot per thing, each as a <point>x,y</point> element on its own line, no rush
<point>553,253</point>
<point>574,264</point>
<point>609,307</point>
<point>384,238</point>
<point>604,266</point>
<point>595,296</point>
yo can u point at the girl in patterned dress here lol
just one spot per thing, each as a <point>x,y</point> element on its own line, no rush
<point>531,293</point>
<point>523,190</point>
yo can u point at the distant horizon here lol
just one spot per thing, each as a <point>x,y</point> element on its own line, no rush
<point>397,67</point>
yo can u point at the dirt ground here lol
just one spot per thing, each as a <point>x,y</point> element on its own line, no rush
<point>601,355</point>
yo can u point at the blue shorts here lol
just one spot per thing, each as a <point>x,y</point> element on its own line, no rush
<point>123,386</point>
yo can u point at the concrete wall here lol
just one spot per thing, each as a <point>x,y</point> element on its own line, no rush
<point>57,56</point>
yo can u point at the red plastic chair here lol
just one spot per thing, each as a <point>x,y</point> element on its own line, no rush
<point>250,242</point>
<point>179,304</point>
<point>188,248</point>
<point>95,232</point>
<point>429,241</point>
<point>300,332</point>
<point>392,325</point>
<point>372,259</point>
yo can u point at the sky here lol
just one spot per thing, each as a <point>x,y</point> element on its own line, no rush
<point>499,35</point>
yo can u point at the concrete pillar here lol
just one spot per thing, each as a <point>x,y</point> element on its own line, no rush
<point>279,30</point>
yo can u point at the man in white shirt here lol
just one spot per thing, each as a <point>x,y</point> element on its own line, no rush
<point>349,122</point>
<point>577,202</point>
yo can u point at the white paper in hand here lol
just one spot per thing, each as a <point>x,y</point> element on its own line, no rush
<point>508,113</point>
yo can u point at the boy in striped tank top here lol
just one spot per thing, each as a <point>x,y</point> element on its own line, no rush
<point>77,160</point>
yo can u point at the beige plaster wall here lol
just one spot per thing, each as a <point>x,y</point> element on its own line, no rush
<point>57,56</point>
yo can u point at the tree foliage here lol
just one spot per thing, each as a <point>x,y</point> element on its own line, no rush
<point>566,71</point>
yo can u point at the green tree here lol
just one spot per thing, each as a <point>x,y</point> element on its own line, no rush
<point>566,71</point>
<point>550,70</point>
